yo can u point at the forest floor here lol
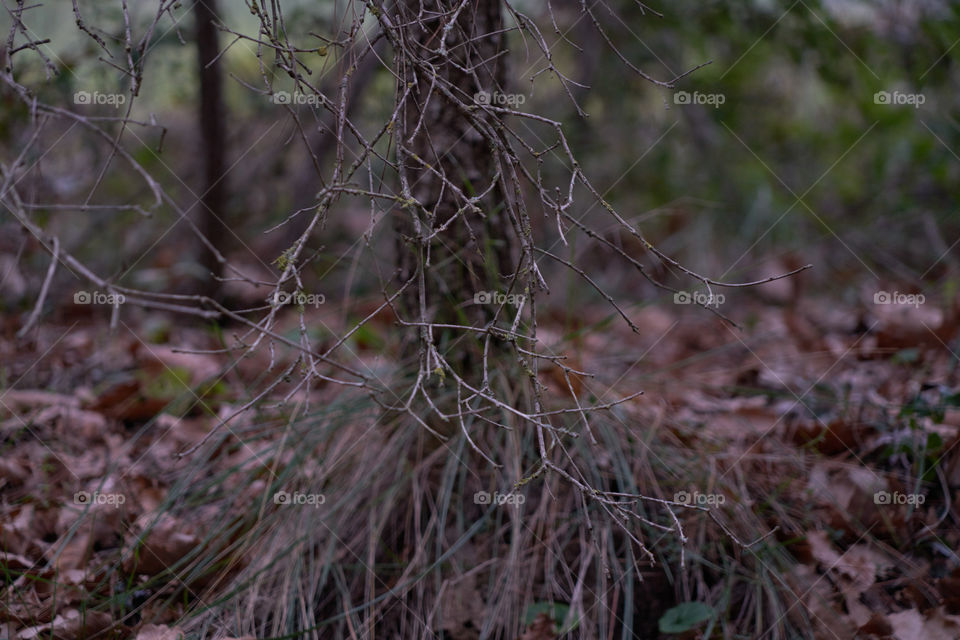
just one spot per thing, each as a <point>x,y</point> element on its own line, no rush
<point>840,427</point>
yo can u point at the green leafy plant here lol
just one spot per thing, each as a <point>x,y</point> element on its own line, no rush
<point>686,616</point>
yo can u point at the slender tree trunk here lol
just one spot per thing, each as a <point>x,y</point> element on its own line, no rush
<point>212,218</point>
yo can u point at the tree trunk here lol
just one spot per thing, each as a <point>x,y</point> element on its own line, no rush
<point>476,252</point>
<point>212,217</point>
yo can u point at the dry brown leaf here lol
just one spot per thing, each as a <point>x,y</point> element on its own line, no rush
<point>148,495</point>
<point>167,542</point>
<point>806,335</point>
<point>903,326</point>
<point>88,425</point>
<point>462,609</point>
<point>14,562</point>
<point>159,632</point>
<point>74,550</point>
<point>92,463</point>
<point>846,493</point>
<point>15,400</point>
<point>25,606</point>
<point>876,627</point>
<point>734,419</point>
<point>817,597</point>
<point>17,534</point>
<point>542,628</point>
<point>125,401</point>
<point>839,436</point>
<point>853,572</point>
<point>913,625</point>
<point>859,568</point>
<point>949,588</point>
<point>161,358</point>
<point>71,625</point>
<point>13,471</point>
<point>822,550</point>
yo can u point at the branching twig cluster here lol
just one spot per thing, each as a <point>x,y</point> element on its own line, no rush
<point>448,64</point>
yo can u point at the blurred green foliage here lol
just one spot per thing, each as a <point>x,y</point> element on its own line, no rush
<point>798,119</point>
<point>796,159</point>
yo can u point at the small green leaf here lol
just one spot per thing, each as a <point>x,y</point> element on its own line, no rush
<point>952,400</point>
<point>684,617</point>
<point>169,382</point>
<point>906,356</point>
